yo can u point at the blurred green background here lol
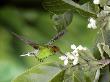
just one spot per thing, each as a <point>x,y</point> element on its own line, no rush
<point>28,18</point>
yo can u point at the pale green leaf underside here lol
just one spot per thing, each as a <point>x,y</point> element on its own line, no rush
<point>42,73</point>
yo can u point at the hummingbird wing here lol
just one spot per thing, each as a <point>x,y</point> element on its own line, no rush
<point>57,36</point>
<point>26,41</point>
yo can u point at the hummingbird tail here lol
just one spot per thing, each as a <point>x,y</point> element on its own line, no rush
<point>26,41</point>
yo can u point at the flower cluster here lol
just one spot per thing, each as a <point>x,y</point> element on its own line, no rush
<point>73,56</point>
<point>92,23</point>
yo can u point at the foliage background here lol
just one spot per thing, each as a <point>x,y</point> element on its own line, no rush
<point>28,18</point>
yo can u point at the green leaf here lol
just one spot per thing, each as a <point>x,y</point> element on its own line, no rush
<point>106,49</point>
<point>104,42</point>
<point>83,1</point>
<point>78,76</point>
<point>103,2</point>
<point>89,65</point>
<point>56,6</point>
<point>90,7</point>
<point>86,55</point>
<point>82,75</point>
<point>108,2</point>
<point>62,21</point>
<point>107,37</point>
<point>61,6</point>
<point>68,75</point>
<point>47,72</point>
<point>100,48</point>
<point>80,9</point>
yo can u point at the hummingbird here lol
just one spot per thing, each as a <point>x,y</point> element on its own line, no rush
<point>42,51</point>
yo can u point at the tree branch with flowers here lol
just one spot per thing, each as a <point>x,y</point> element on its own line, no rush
<point>80,64</point>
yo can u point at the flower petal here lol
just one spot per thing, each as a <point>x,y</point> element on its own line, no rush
<point>81,48</point>
<point>67,53</point>
<point>74,52</point>
<point>96,1</point>
<point>76,55</point>
<point>73,46</point>
<point>65,61</point>
<point>62,57</point>
<point>92,23</point>
<point>75,61</point>
<point>89,25</point>
<point>71,57</point>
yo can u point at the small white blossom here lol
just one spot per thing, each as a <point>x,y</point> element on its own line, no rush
<point>75,62</point>
<point>73,55</point>
<point>65,58</point>
<point>81,48</point>
<point>30,53</point>
<point>73,46</point>
<point>75,52</point>
<point>69,55</point>
<point>66,62</point>
<point>92,23</point>
<point>96,1</point>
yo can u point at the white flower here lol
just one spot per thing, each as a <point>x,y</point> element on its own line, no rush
<point>73,46</point>
<point>65,58</point>
<point>96,1</point>
<point>66,62</point>
<point>30,53</point>
<point>75,62</point>
<point>81,48</point>
<point>69,55</point>
<point>92,23</point>
<point>62,57</point>
<point>73,55</point>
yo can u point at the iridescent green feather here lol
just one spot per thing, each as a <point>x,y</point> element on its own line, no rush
<point>44,52</point>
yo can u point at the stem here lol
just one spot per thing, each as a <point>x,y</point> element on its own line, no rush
<point>102,35</point>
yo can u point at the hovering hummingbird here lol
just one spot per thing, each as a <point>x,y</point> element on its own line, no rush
<point>42,50</point>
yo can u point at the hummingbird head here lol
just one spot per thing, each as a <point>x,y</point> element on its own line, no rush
<point>54,48</point>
